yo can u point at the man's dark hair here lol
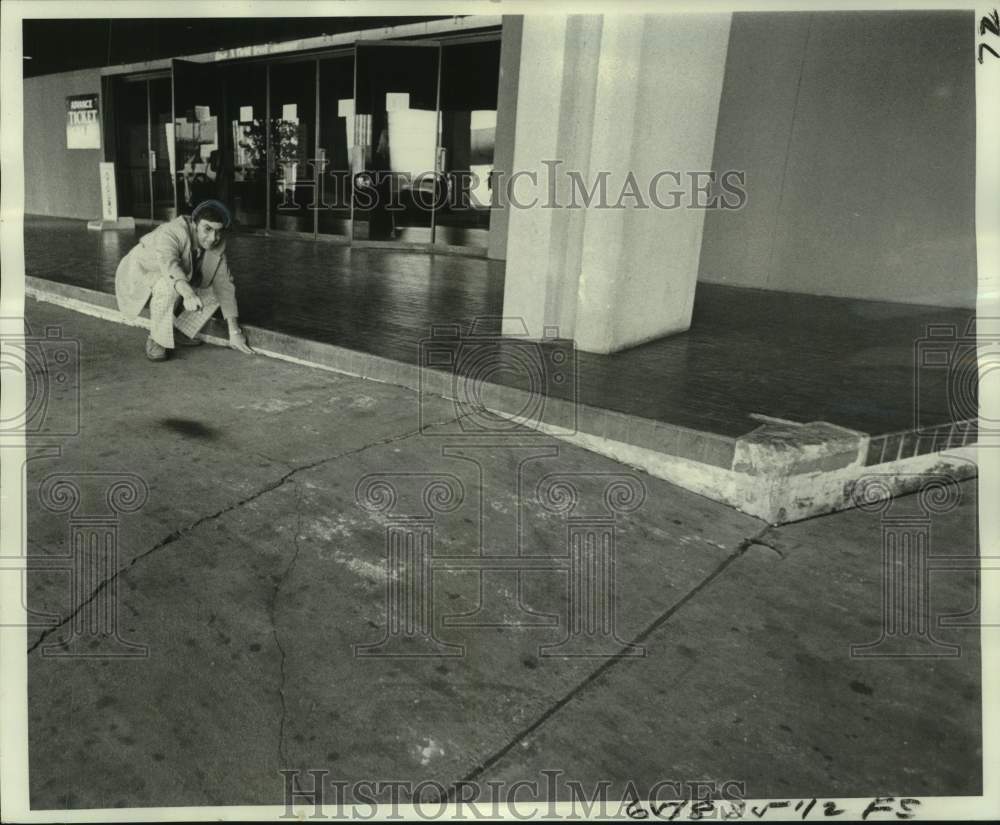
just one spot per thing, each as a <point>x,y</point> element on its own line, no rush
<point>211,211</point>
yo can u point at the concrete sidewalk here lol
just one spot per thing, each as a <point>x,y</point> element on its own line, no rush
<point>251,572</point>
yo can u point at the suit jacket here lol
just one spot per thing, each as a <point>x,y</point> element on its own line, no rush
<point>167,252</point>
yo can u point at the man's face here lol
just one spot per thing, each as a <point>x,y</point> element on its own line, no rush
<point>208,233</point>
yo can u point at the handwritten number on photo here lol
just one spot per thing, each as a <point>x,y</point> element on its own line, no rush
<point>991,23</point>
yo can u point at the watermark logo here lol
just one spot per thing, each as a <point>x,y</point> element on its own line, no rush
<point>50,366</point>
<point>95,503</point>
<point>551,186</point>
<point>950,363</point>
<point>908,561</point>
<point>552,795</point>
<point>409,543</point>
<point>409,503</point>
<point>501,382</point>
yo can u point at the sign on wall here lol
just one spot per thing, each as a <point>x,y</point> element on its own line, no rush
<point>109,195</point>
<point>83,128</point>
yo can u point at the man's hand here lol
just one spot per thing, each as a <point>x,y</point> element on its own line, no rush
<point>192,303</point>
<point>238,341</point>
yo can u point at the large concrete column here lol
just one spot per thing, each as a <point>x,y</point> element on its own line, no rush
<point>539,290</point>
<point>620,98</point>
<point>503,155</point>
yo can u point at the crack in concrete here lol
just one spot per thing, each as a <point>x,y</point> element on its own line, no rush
<point>183,531</point>
<point>272,610</point>
<point>605,666</point>
<point>266,457</point>
<point>760,543</point>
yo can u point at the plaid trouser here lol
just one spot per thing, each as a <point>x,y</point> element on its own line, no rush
<point>161,313</point>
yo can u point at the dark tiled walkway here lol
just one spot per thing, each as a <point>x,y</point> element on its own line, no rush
<point>799,357</point>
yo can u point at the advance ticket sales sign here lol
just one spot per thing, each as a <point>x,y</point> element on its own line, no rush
<point>83,130</point>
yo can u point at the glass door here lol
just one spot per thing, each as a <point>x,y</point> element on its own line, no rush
<point>336,144</point>
<point>246,157</point>
<point>292,113</point>
<point>470,77</point>
<point>160,152</point>
<point>196,162</point>
<point>394,156</point>
<point>132,147</point>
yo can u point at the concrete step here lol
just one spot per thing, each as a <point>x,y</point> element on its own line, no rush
<point>782,471</point>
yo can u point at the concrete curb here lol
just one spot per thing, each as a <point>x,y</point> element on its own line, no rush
<point>780,472</point>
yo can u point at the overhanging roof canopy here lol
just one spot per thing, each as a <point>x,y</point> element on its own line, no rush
<point>65,45</point>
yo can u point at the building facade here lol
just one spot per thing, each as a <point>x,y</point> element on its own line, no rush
<point>587,151</point>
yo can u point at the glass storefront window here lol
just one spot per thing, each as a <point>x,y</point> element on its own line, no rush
<point>246,101</point>
<point>392,141</point>
<point>197,138</point>
<point>336,144</point>
<point>160,109</point>
<point>293,133</point>
<point>396,124</point>
<point>470,76</point>
<point>132,148</point>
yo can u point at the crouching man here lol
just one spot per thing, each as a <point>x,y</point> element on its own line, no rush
<point>182,260</point>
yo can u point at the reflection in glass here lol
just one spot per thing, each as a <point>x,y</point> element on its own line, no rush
<point>132,137</point>
<point>196,157</point>
<point>336,138</point>
<point>246,99</point>
<point>163,180</point>
<point>395,142</point>
<point>470,75</point>
<point>402,142</point>
<point>293,117</point>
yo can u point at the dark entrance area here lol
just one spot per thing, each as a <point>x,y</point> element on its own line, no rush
<point>386,141</point>
<point>142,146</point>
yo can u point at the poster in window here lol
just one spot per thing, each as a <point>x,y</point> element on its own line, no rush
<point>83,129</point>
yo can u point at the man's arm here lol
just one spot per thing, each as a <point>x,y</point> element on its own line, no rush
<point>170,247</point>
<point>225,291</point>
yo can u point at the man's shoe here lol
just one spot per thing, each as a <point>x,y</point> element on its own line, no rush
<point>154,352</point>
<point>183,341</point>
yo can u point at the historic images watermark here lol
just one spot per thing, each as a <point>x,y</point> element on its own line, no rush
<point>950,363</point>
<point>552,795</point>
<point>551,188</point>
<point>908,562</point>
<point>506,392</point>
<point>588,563</point>
<point>49,365</point>
<point>313,795</point>
<point>93,502</point>
<point>502,382</point>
